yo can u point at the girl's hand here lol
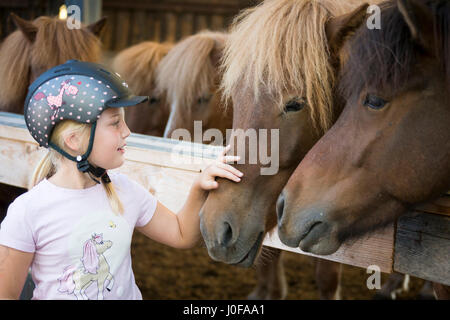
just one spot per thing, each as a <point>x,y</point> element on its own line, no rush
<point>219,168</point>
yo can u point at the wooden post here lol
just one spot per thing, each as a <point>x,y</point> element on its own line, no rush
<point>422,246</point>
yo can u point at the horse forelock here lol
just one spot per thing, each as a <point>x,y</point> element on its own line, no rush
<point>187,72</point>
<point>54,44</point>
<point>385,58</point>
<point>65,43</point>
<point>281,47</point>
<point>15,67</point>
<point>138,64</point>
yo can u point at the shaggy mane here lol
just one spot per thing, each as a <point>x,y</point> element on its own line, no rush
<point>280,47</point>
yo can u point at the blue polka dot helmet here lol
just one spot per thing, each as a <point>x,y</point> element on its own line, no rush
<point>78,91</point>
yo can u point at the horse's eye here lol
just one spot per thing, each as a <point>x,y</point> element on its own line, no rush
<point>153,100</point>
<point>203,100</point>
<point>294,105</point>
<point>374,102</point>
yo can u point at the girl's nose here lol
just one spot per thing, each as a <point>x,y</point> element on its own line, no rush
<point>126,131</point>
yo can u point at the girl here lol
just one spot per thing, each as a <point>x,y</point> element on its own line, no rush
<point>74,227</point>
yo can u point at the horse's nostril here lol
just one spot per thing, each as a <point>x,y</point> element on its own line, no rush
<point>280,207</point>
<point>225,234</point>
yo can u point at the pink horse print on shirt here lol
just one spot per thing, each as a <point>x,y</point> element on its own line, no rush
<point>95,268</point>
<point>55,102</point>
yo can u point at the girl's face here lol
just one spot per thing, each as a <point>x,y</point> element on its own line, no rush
<point>109,141</point>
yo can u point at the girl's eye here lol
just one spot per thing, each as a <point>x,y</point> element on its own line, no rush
<point>294,105</point>
<point>374,102</point>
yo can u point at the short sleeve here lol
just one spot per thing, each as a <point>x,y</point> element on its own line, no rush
<point>147,203</point>
<point>15,231</point>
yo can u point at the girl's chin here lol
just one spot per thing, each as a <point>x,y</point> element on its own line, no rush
<point>118,162</point>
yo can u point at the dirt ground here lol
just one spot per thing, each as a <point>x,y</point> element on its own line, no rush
<point>165,273</point>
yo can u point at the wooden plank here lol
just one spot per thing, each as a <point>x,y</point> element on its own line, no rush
<point>217,22</point>
<point>107,34</point>
<point>171,27</point>
<point>164,152</point>
<point>139,27</point>
<point>439,206</point>
<point>375,249</point>
<point>186,25</point>
<point>219,8</point>
<point>123,30</point>
<point>201,23</point>
<point>422,247</point>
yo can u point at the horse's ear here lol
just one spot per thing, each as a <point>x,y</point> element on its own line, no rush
<point>339,28</point>
<point>420,22</point>
<point>97,27</point>
<point>217,51</point>
<point>28,29</point>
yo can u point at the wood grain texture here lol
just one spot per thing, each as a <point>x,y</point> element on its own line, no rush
<point>422,246</point>
<point>375,249</point>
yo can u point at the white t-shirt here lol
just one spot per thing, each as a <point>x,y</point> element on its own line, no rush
<point>81,247</point>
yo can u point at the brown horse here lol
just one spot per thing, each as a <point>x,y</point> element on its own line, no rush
<point>389,150</point>
<point>189,76</point>
<point>38,46</point>
<point>137,65</point>
<point>280,64</point>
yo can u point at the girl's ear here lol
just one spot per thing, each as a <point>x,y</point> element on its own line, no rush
<point>73,141</point>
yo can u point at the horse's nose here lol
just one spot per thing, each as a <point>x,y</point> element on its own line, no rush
<point>280,208</point>
<point>225,235</point>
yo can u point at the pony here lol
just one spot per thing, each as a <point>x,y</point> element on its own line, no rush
<point>280,65</point>
<point>189,76</point>
<point>137,65</point>
<point>388,151</point>
<point>37,46</point>
<point>75,280</point>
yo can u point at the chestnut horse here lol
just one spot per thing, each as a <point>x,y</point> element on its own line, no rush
<point>189,76</point>
<point>280,64</point>
<point>38,46</point>
<point>389,150</point>
<point>137,65</point>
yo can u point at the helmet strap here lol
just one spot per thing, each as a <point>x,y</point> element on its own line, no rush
<point>82,163</point>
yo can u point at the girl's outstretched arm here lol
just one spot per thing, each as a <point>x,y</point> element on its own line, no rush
<point>182,230</point>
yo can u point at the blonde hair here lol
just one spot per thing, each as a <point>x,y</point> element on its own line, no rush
<point>48,165</point>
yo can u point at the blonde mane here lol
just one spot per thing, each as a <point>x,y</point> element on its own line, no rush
<point>188,71</point>
<point>280,47</point>
<point>54,44</point>
<point>137,65</point>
